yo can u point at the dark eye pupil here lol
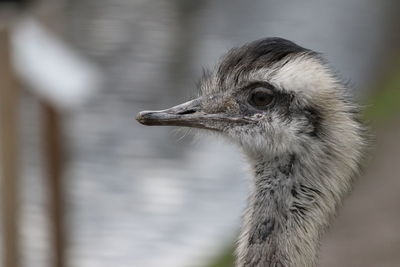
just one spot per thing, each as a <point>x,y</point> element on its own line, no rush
<point>261,97</point>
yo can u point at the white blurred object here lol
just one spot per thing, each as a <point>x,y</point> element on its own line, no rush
<point>51,68</point>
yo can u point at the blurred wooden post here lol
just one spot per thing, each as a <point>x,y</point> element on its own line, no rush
<point>9,152</point>
<point>54,158</point>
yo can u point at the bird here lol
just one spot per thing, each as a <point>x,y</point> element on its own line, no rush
<point>295,121</point>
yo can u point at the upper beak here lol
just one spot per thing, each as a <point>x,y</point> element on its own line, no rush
<point>189,114</point>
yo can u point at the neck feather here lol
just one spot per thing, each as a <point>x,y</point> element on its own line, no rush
<point>291,202</point>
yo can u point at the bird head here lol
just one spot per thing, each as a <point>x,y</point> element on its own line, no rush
<point>270,96</point>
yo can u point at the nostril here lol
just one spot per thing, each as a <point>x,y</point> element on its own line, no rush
<point>185,112</point>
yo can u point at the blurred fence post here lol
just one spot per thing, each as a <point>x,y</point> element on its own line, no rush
<point>54,157</point>
<point>9,152</point>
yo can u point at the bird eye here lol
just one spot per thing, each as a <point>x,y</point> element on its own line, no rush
<point>261,97</point>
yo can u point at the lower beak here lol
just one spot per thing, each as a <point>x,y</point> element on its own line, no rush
<point>188,114</point>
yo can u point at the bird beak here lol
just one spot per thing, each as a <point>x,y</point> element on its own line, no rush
<point>189,114</point>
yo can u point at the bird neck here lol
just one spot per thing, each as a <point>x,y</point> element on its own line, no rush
<point>288,209</point>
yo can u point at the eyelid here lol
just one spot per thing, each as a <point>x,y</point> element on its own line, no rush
<point>263,89</point>
<point>254,85</point>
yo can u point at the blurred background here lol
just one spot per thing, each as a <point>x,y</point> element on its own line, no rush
<point>84,185</point>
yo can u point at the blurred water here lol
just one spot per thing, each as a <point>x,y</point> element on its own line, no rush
<point>141,196</point>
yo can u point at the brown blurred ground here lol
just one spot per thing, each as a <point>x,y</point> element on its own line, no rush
<point>367,230</point>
